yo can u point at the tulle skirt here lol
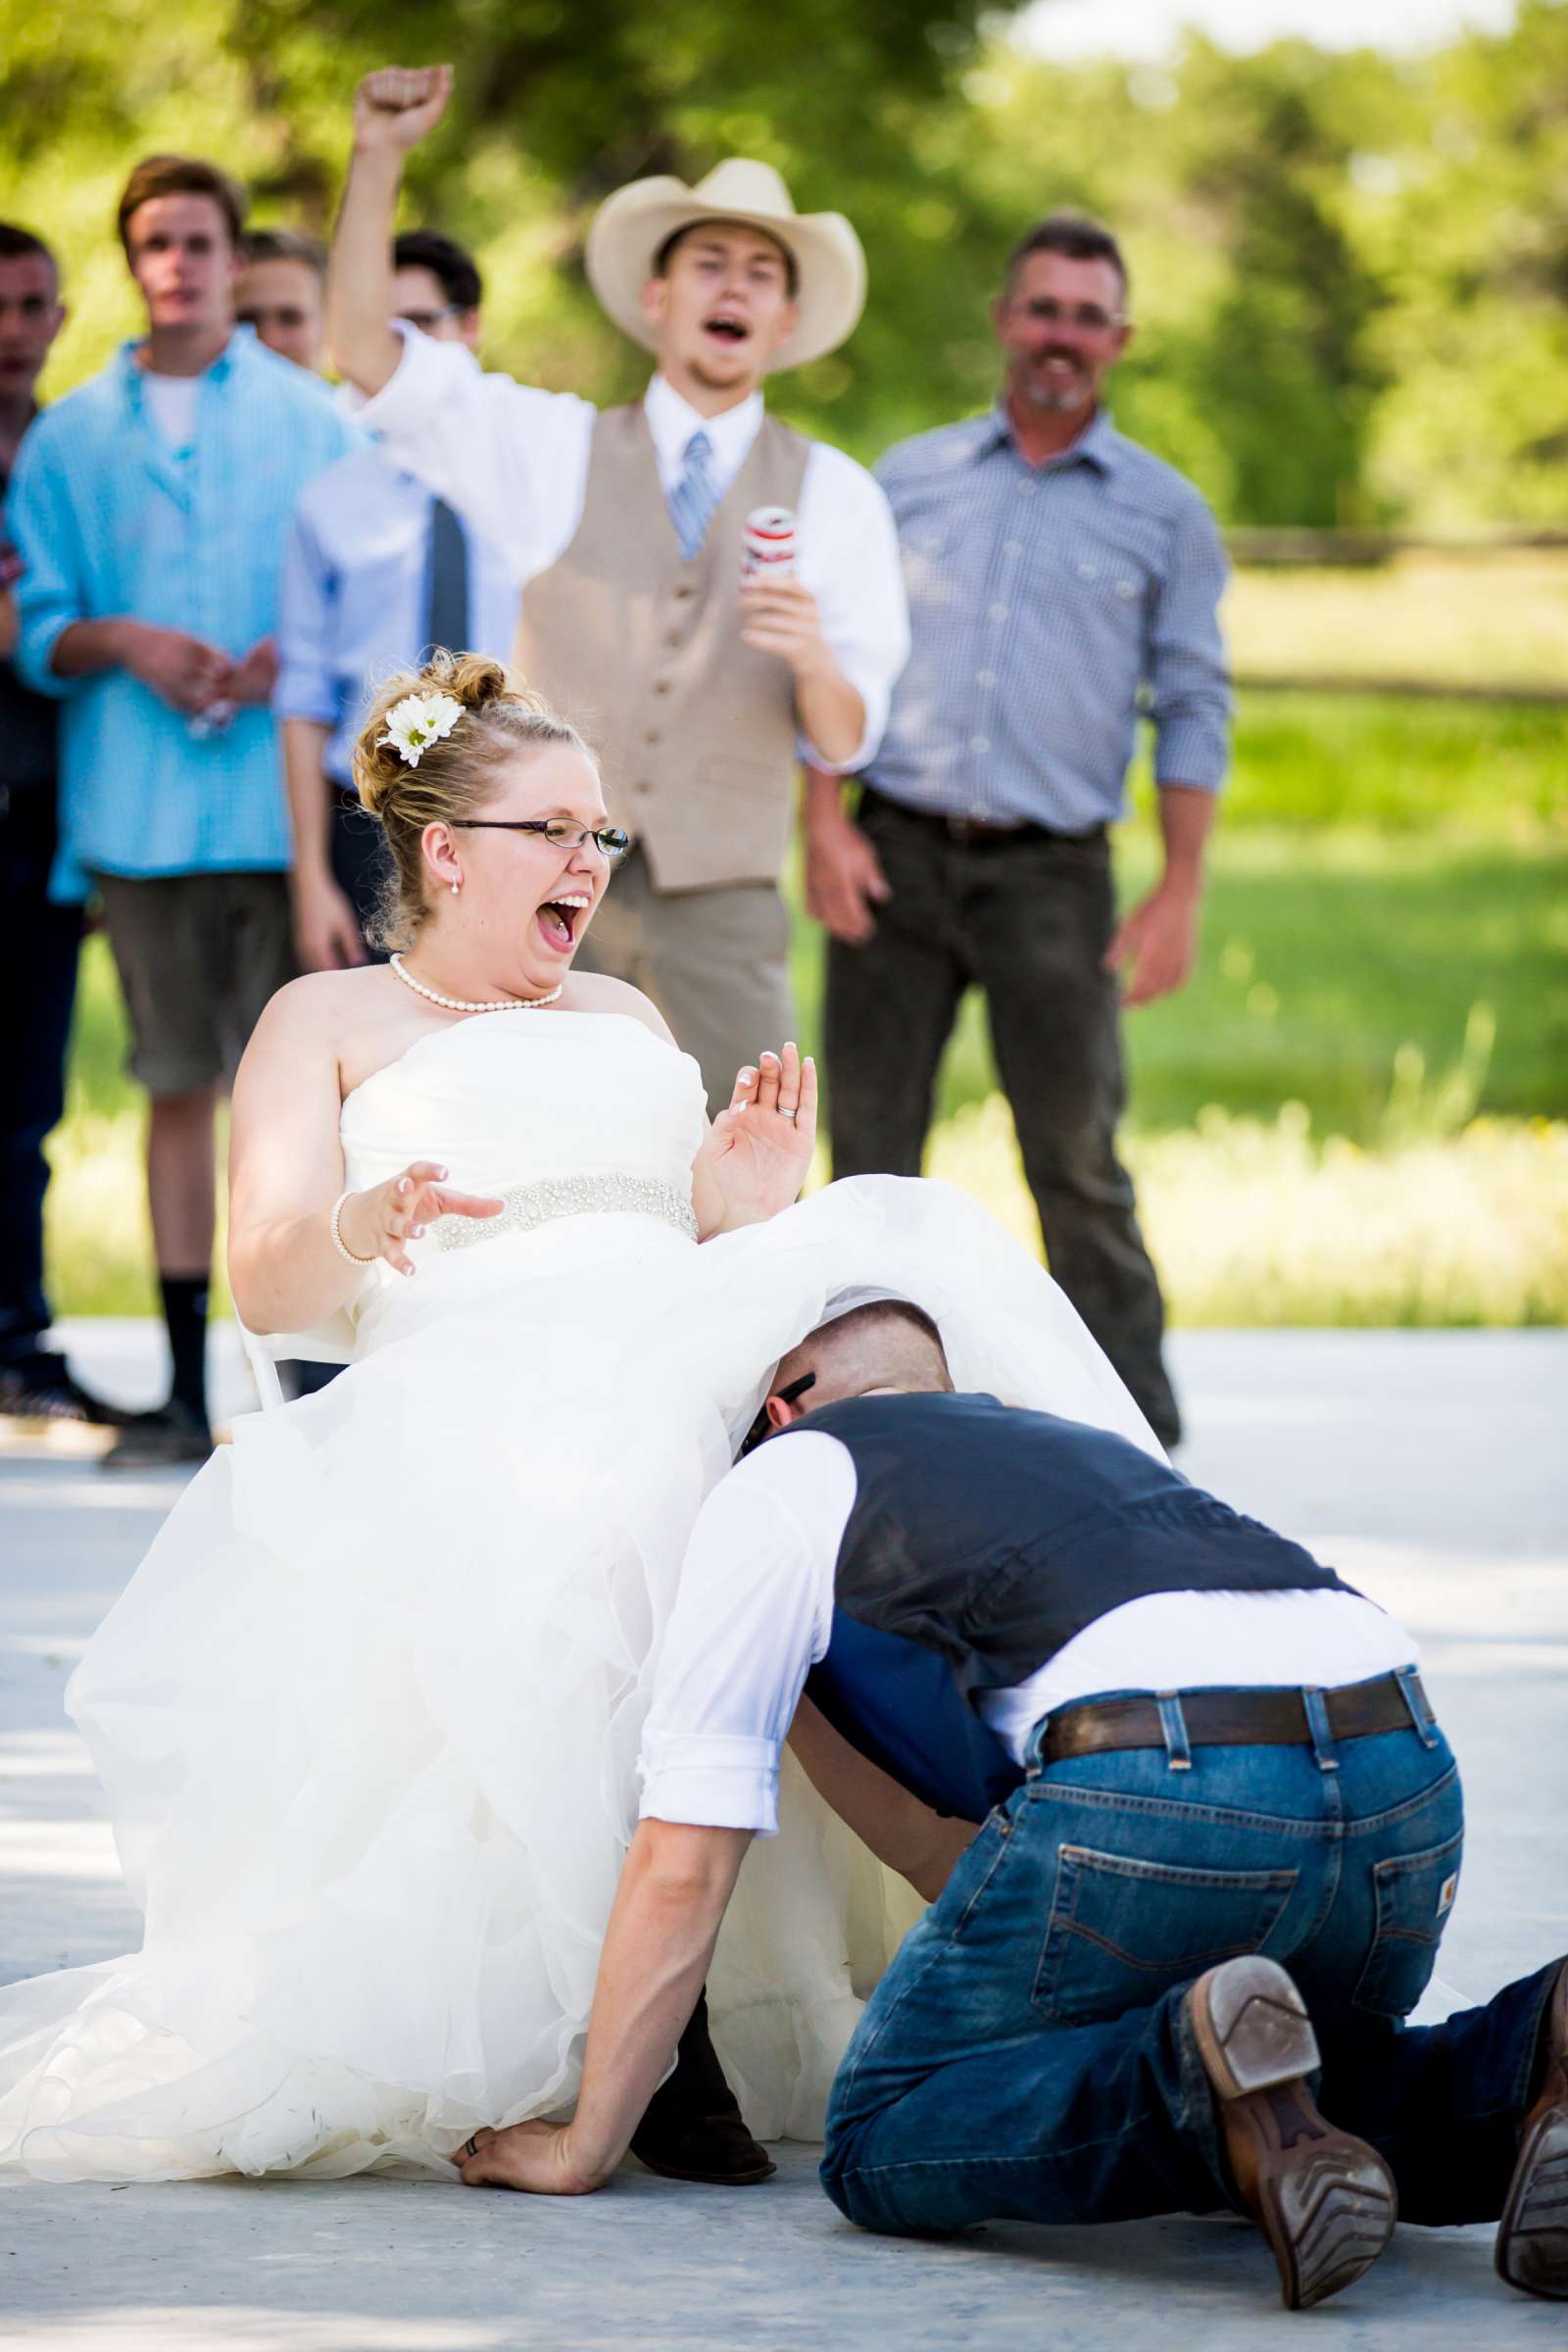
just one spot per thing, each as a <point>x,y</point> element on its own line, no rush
<point>368,1714</point>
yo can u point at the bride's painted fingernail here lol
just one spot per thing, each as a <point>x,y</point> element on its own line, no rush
<point>416,1233</point>
<point>440,1175</point>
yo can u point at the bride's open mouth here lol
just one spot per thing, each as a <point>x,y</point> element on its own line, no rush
<point>561,921</point>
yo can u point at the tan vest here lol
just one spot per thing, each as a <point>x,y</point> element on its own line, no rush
<point>693,730</point>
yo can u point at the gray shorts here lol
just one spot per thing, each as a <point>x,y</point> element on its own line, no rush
<point>199,956</point>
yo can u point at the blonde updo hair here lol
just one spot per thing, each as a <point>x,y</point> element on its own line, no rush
<point>455,777</point>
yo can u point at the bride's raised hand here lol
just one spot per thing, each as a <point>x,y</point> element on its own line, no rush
<point>759,1151</point>
<point>379,1222</point>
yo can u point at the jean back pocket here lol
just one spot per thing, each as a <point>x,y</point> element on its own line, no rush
<point>1123,1932</point>
<point>1414,1894</point>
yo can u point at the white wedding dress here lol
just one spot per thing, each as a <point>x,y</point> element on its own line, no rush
<point>368,1714</point>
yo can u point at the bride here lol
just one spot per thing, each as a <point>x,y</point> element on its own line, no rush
<point>368,1714</point>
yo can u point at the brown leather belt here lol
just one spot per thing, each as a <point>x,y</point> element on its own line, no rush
<point>1233,1718</point>
<point>975,828</point>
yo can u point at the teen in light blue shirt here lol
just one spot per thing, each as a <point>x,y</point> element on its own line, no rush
<point>111,520</point>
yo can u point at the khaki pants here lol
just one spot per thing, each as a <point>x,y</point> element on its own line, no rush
<point>714,962</point>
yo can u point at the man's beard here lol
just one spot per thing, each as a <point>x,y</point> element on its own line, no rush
<point>1057,394</point>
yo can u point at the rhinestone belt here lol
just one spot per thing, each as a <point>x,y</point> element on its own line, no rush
<point>529,1205</point>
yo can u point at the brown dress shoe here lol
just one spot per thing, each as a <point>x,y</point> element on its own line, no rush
<point>692,2129</point>
<point>1326,2202</point>
<point>1533,2233</point>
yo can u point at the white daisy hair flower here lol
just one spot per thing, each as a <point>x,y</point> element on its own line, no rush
<point>417,721</point>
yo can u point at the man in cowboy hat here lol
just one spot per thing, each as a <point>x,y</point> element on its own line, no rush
<point>627,528</point>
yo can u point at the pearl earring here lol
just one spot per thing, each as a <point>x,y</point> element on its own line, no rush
<point>455,886</point>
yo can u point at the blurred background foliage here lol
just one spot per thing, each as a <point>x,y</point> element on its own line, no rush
<point>1351,269</point>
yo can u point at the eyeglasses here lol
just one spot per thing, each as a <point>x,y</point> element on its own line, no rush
<point>560,831</point>
<point>1086,315</point>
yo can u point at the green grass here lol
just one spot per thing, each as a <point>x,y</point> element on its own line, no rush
<point>1471,773</point>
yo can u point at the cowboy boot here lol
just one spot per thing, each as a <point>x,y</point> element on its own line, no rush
<point>1325,2201</point>
<point>692,2129</point>
<point>1533,2233</point>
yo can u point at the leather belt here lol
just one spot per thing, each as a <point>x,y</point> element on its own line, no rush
<point>974,828</point>
<point>1233,1718</point>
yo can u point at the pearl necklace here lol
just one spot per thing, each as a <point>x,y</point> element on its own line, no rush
<point>462,1005</point>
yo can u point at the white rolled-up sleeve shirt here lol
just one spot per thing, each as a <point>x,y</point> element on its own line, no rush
<point>514,462</point>
<point>755,1614</point>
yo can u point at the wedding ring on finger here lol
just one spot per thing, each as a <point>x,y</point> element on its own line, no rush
<point>783,1112</point>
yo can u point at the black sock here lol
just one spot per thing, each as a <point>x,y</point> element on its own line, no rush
<point>185,1313</point>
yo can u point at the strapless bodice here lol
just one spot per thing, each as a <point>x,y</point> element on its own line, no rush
<point>565,1115</point>
<point>524,1099</point>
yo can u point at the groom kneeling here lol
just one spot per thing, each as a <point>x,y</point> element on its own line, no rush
<point>1204,1755</point>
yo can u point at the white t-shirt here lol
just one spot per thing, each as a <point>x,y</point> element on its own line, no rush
<point>173,401</point>
<point>514,460</point>
<point>754,1612</point>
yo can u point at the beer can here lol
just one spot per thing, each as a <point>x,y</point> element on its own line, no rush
<point>767,547</point>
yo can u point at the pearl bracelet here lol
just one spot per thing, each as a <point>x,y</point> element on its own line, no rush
<point>339,1242</point>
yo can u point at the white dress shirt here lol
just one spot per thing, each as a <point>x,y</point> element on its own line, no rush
<point>754,1613</point>
<point>514,460</point>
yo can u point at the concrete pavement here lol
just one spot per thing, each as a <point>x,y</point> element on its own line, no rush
<point>1429,1467</point>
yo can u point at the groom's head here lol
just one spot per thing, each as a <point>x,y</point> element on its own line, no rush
<point>882,1349</point>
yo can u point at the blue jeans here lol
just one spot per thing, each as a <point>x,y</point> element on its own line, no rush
<point>1027,2056</point>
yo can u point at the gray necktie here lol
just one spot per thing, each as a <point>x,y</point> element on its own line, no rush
<point>446,585</point>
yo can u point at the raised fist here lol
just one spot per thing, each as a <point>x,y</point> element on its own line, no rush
<point>395,107</point>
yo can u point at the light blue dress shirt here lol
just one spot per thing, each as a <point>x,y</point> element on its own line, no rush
<point>110,522</point>
<point>353,605</point>
<point>1050,606</point>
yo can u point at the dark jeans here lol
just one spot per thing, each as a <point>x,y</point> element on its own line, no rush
<point>1026,2056</point>
<point>1027,919</point>
<point>361,865</point>
<point>39,949</point>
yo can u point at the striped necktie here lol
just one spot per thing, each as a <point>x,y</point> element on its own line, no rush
<point>694,497</point>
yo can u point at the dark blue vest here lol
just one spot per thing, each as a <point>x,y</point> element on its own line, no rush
<point>982,1539</point>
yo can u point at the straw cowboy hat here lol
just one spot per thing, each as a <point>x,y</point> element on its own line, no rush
<point>631,226</point>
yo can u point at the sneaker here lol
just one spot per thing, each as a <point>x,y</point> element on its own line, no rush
<point>1326,2202</point>
<point>1533,2234</point>
<point>41,1387</point>
<point>172,1436</point>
